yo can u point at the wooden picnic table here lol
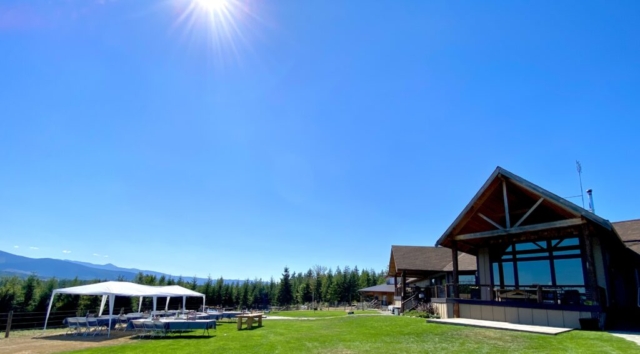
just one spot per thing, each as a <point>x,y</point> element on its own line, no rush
<point>250,318</point>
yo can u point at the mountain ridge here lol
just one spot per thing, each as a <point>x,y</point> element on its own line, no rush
<point>11,264</point>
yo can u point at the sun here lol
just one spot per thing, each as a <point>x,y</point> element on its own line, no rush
<point>223,28</point>
<point>213,5</point>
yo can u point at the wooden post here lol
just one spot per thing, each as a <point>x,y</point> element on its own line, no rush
<point>592,280</point>
<point>454,255</point>
<point>404,285</point>
<point>395,285</point>
<point>6,333</point>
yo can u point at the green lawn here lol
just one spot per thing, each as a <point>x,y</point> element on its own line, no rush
<point>319,314</point>
<point>374,334</point>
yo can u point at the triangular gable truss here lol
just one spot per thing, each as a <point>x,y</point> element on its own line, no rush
<point>508,204</point>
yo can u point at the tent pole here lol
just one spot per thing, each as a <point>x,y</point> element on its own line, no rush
<point>49,310</point>
<point>104,300</point>
<point>184,304</point>
<point>111,303</point>
<point>204,301</point>
<point>140,305</point>
<point>166,306</point>
<point>155,301</point>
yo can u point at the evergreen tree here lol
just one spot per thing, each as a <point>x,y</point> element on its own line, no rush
<point>243,296</point>
<point>219,291</point>
<point>303,295</point>
<point>207,289</point>
<point>10,293</point>
<point>364,280</point>
<point>285,292</point>
<point>336,292</point>
<point>30,292</point>
<point>327,282</point>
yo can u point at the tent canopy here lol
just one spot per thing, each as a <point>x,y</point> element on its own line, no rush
<point>117,288</point>
<point>120,288</point>
<point>176,290</point>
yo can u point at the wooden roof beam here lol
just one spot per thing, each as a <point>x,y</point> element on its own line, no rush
<point>516,230</point>
<point>506,203</point>
<point>491,221</point>
<point>528,212</point>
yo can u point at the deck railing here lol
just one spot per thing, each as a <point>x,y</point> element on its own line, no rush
<point>559,295</point>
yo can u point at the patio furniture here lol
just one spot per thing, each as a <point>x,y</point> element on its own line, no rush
<point>93,327</point>
<point>83,326</point>
<point>159,328</point>
<point>138,327</point>
<point>173,326</point>
<point>73,326</point>
<point>149,328</point>
<point>249,318</point>
<point>571,297</point>
<point>121,323</point>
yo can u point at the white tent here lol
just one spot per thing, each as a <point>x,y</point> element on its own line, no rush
<point>111,289</point>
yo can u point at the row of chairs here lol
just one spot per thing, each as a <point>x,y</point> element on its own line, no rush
<point>84,326</point>
<point>149,328</point>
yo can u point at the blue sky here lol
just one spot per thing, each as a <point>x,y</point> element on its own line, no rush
<point>296,133</point>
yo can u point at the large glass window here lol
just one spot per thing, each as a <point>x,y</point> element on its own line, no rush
<point>569,271</point>
<point>534,272</point>
<point>554,262</point>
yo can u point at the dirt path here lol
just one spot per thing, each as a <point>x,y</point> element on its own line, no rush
<point>32,342</point>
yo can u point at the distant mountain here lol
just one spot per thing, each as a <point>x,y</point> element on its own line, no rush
<point>11,264</point>
<point>49,268</point>
<point>113,267</point>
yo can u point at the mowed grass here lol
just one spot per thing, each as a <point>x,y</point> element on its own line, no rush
<point>374,334</point>
<point>318,313</point>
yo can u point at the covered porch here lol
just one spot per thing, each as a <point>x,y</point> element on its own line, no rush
<point>421,273</point>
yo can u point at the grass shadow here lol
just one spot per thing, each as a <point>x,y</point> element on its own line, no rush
<point>81,338</point>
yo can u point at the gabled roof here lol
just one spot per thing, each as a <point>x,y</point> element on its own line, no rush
<point>422,259</point>
<point>383,288</point>
<point>486,211</point>
<point>466,262</point>
<point>629,231</point>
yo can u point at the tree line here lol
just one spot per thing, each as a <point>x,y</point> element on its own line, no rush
<point>318,284</point>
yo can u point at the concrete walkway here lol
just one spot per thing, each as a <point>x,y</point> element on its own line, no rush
<point>632,336</point>
<point>500,325</point>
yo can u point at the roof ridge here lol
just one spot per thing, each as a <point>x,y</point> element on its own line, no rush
<point>623,221</point>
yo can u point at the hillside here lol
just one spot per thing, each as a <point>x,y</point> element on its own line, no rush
<point>11,264</point>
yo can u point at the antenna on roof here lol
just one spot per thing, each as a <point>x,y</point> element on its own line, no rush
<point>579,169</point>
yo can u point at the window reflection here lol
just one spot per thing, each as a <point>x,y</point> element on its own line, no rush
<point>533,261</point>
<point>530,246</point>
<point>534,272</point>
<point>569,271</point>
<point>509,279</point>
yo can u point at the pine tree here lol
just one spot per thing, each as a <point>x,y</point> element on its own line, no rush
<point>30,291</point>
<point>285,292</point>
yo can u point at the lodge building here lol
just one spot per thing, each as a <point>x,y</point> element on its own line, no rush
<point>539,259</point>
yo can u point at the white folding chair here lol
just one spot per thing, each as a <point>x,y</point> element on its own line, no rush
<point>83,326</point>
<point>122,323</point>
<point>73,326</point>
<point>138,326</point>
<point>158,328</point>
<point>93,327</point>
<point>149,328</point>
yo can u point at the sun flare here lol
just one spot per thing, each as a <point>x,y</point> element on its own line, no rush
<point>222,27</point>
<point>212,5</point>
